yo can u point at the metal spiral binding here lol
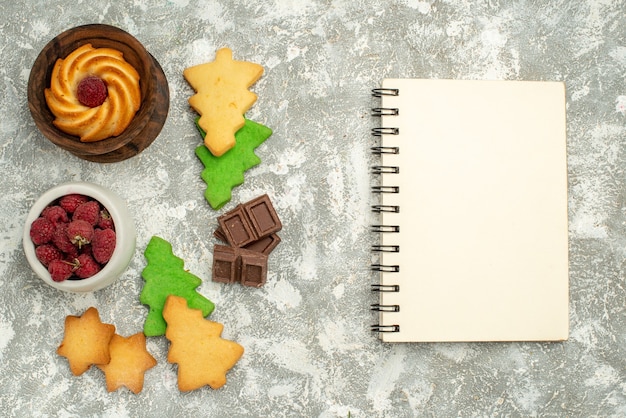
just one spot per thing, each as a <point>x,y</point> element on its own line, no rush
<point>386,208</point>
<point>385,328</point>
<point>385,150</point>
<point>385,189</point>
<point>385,308</point>
<point>381,229</point>
<point>393,288</point>
<point>385,169</point>
<point>385,131</point>
<point>386,268</point>
<point>386,248</point>
<point>385,111</point>
<point>379,92</point>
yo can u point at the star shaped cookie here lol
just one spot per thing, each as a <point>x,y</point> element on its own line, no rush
<point>86,341</point>
<point>129,362</point>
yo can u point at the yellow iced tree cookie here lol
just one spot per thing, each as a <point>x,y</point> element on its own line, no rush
<point>196,345</point>
<point>222,97</point>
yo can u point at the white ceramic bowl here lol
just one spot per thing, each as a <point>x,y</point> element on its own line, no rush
<point>124,229</point>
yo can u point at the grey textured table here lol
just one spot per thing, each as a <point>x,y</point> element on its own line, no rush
<point>309,351</point>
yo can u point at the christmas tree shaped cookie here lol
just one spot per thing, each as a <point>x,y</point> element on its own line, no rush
<point>165,275</point>
<point>222,97</point>
<point>196,345</point>
<point>223,173</point>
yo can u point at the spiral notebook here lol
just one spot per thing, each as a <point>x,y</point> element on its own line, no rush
<point>472,211</point>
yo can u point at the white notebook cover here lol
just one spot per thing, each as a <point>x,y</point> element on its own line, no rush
<point>483,211</point>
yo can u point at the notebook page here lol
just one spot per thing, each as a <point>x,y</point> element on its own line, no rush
<point>483,211</point>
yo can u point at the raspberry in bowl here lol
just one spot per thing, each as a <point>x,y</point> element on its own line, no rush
<point>79,237</point>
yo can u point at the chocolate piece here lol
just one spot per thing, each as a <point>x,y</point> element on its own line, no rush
<point>237,228</point>
<point>250,222</point>
<point>250,230</point>
<point>263,216</point>
<point>219,234</point>
<point>264,245</point>
<point>225,264</point>
<point>253,268</point>
<point>232,265</point>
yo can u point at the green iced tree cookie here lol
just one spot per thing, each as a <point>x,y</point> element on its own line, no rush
<point>165,275</point>
<point>223,173</point>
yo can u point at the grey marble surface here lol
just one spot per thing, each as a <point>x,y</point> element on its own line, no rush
<point>309,351</point>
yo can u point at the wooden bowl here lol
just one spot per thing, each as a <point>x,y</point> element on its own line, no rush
<point>149,119</point>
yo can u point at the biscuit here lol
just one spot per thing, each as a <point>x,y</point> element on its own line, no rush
<point>122,97</point>
<point>222,174</point>
<point>203,357</point>
<point>222,97</point>
<point>129,362</point>
<point>165,275</point>
<point>86,341</point>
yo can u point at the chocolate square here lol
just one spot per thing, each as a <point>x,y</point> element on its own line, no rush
<point>237,228</point>
<point>264,245</point>
<point>253,268</point>
<point>225,264</point>
<point>263,216</point>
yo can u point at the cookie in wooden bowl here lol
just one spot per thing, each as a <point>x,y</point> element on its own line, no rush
<point>95,91</point>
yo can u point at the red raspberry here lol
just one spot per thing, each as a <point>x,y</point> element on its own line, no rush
<point>71,201</point>
<point>92,91</point>
<point>41,231</point>
<point>103,244</point>
<point>55,214</point>
<point>86,266</point>
<point>105,221</point>
<point>60,270</point>
<point>79,232</point>
<point>47,253</point>
<point>62,241</point>
<point>88,211</point>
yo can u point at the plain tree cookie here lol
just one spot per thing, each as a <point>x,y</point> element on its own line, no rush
<point>196,345</point>
<point>222,97</point>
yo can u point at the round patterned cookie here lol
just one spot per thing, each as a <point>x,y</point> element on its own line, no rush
<point>94,93</point>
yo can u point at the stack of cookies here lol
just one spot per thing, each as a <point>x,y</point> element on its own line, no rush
<point>222,98</point>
